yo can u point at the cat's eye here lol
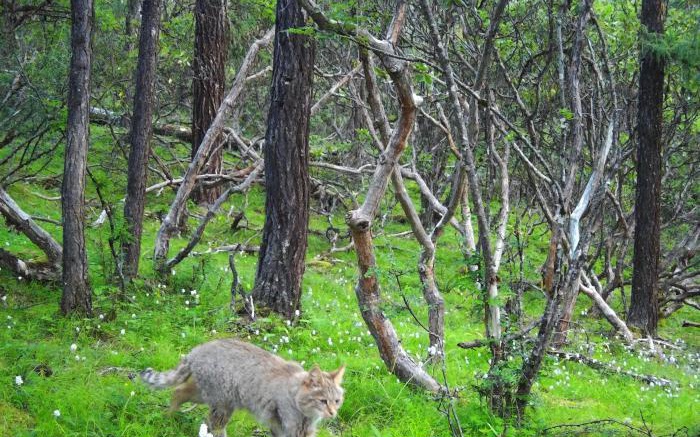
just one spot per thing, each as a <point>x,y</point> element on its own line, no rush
<point>325,401</point>
<point>337,401</point>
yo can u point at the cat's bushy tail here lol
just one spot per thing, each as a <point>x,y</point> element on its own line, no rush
<point>168,378</point>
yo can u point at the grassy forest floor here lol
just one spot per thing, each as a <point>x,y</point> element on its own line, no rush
<point>48,387</point>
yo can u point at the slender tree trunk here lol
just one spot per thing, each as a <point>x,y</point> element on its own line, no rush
<point>283,248</point>
<point>211,36</point>
<point>77,296</point>
<point>643,312</point>
<point>141,130</point>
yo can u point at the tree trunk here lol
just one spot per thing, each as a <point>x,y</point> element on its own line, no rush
<point>141,130</point>
<point>283,248</point>
<point>77,296</point>
<point>643,312</point>
<point>211,36</point>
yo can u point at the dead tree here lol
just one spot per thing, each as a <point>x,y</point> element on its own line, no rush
<point>77,295</point>
<point>23,222</point>
<point>169,225</point>
<point>467,139</point>
<point>282,252</point>
<point>141,132</point>
<point>360,220</point>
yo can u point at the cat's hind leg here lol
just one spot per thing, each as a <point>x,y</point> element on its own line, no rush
<point>187,391</point>
<point>218,419</point>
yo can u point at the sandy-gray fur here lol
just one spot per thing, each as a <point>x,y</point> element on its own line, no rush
<point>166,379</point>
<point>229,375</point>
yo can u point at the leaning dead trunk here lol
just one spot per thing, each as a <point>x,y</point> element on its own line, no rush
<point>360,220</point>
<point>171,220</point>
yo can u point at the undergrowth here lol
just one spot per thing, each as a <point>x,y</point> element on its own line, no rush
<point>76,377</point>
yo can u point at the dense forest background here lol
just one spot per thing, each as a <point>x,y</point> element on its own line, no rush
<point>488,210</point>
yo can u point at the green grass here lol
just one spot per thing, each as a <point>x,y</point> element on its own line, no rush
<point>93,389</point>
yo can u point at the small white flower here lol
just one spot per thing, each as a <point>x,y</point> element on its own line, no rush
<point>213,331</point>
<point>182,334</point>
<point>4,298</point>
<point>101,316</point>
<point>172,272</point>
<point>133,316</point>
<point>56,413</point>
<point>123,331</point>
<point>204,431</point>
<point>193,292</point>
<point>296,313</point>
<point>288,322</point>
<point>330,341</point>
<point>19,380</point>
<point>77,329</point>
<point>77,358</point>
<point>73,347</point>
<point>133,393</point>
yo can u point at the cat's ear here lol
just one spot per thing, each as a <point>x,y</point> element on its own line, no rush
<point>315,376</point>
<point>338,375</point>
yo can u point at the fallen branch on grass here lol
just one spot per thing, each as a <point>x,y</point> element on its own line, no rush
<point>605,367</point>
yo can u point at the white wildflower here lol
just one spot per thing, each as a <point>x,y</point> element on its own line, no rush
<point>73,347</point>
<point>123,331</point>
<point>56,413</point>
<point>19,380</point>
<point>204,431</point>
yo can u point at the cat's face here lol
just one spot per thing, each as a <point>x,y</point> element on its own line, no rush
<point>320,395</point>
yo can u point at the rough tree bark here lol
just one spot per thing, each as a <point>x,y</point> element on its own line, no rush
<point>643,312</point>
<point>141,132</point>
<point>77,296</point>
<point>283,248</point>
<point>210,50</point>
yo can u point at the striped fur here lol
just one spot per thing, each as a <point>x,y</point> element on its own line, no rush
<point>169,378</point>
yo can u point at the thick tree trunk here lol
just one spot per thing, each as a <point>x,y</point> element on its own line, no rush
<point>141,132</point>
<point>643,312</point>
<point>77,296</point>
<point>211,36</point>
<point>283,248</point>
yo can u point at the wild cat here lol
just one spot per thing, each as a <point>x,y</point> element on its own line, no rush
<point>230,375</point>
